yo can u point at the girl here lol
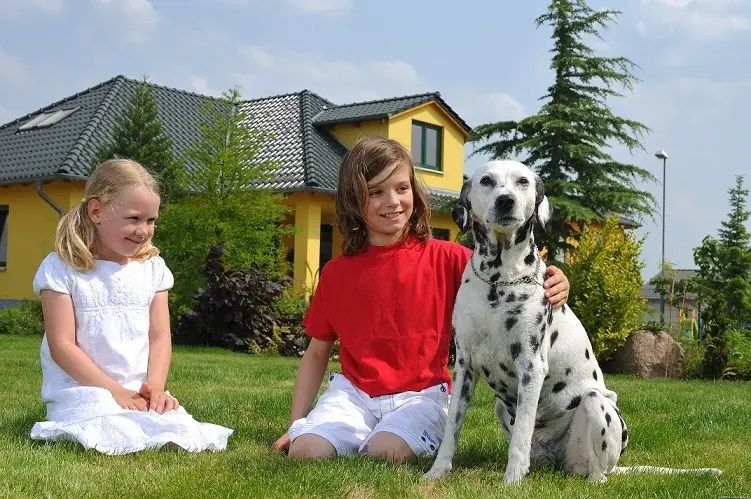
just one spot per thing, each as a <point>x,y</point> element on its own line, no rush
<point>388,300</point>
<point>107,345</point>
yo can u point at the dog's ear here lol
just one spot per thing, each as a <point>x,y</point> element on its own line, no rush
<point>542,206</point>
<point>460,213</point>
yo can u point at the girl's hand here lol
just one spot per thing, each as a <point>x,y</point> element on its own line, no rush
<point>282,444</point>
<point>128,399</point>
<point>158,400</point>
<point>556,286</point>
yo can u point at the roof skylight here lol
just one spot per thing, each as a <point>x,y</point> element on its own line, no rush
<point>47,118</point>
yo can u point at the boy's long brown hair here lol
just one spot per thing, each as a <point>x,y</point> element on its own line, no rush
<point>365,161</point>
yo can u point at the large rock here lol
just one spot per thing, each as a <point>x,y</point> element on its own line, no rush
<point>650,355</point>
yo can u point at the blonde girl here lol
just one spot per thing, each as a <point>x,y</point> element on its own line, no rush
<point>107,345</point>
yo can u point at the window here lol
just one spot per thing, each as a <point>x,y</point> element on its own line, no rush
<point>3,236</point>
<point>442,234</point>
<point>48,118</point>
<point>426,145</point>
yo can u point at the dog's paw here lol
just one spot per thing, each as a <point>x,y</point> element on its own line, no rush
<point>514,473</point>
<point>437,471</point>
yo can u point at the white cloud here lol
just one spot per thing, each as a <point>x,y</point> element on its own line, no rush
<point>12,71</point>
<point>134,20</point>
<point>200,85</point>
<point>268,73</point>
<point>695,19</point>
<point>334,7</point>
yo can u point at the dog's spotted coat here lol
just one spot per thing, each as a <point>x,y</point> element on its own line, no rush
<point>551,398</point>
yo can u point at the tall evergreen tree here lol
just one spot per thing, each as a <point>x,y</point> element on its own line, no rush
<point>227,204</point>
<point>567,141</point>
<point>139,135</point>
<point>724,280</point>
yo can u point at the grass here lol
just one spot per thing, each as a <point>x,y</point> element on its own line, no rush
<point>672,423</point>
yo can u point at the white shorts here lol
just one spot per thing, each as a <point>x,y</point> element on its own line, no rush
<point>347,417</point>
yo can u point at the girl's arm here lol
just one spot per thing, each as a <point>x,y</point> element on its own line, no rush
<point>312,368</point>
<point>160,356</point>
<point>60,326</point>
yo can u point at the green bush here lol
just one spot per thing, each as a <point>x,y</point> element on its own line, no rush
<point>23,320</point>
<point>738,347</point>
<point>291,306</point>
<point>605,275</point>
<point>693,352</point>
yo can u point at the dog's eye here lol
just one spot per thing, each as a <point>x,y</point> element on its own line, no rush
<point>523,181</point>
<point>486,180</point>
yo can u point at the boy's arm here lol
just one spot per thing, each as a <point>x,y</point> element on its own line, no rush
<point>60,327</point>
<point>312,368</point>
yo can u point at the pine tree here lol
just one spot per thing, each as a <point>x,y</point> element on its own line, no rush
<point>724,280</point>
<point>567,141</point>
<point>139,135</point>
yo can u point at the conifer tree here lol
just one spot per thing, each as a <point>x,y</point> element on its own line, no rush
<point>228,204</point>
<point>139,135</point>
<point>567,141</point>
<point>724,280</point>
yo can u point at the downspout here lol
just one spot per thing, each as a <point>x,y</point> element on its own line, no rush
<point>48,199</point>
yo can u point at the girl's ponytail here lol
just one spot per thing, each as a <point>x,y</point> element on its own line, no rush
<point>74,236</point>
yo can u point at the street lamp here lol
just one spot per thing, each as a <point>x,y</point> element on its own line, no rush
<point>664,157</point>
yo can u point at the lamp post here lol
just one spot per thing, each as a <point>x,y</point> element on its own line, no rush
<point>664,157</point>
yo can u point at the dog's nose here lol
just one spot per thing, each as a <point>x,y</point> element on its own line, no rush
<point>504,202</point>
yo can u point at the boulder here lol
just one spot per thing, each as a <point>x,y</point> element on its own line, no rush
<point>650,355</point>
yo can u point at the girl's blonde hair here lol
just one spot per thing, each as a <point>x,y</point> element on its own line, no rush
<point>365,161</point>
<point>76,234</point>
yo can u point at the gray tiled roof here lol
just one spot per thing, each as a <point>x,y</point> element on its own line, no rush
<point>308,155</point>
<point>383,108</point>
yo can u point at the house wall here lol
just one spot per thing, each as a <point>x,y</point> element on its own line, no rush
<point>31,231</point>
<point>349,133</point>
<point>452,144</point>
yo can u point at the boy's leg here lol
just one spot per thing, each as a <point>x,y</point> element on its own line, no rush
<point>337,425</point>
<point>311,446</point>
<point>389,446</point>
<point>413,426</point>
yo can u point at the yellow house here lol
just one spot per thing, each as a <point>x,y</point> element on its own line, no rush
<point>45,157</point>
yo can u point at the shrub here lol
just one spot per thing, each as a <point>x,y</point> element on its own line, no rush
<point>237,309</point>
<point>23,320</point>
<point>738,346</point>
<point>693,352</point>
<point>291,306</point>
<point>606,286</point>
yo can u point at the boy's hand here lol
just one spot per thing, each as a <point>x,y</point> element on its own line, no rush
<point>556,286</point>
<point>282,444</point>
<point>158,400</point>
<point>129,399</point>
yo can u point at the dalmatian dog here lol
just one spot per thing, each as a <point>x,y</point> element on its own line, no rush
<point>550,394</point>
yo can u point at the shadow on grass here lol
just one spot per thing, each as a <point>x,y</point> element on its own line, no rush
<point>20,427</point>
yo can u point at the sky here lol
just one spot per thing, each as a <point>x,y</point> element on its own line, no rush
<point>486,57</point>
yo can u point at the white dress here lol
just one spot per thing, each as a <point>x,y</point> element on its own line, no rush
<point>111,305</point>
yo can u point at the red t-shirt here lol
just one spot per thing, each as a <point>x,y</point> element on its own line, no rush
<point>390,307</point>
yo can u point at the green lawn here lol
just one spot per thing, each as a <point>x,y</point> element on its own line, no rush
<point>672,423</point>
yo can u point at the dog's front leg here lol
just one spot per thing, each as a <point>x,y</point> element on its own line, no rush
<point>531,373</point>
<point>465,380</point>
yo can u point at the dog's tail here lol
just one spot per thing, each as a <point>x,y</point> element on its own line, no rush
<point>658,470</point>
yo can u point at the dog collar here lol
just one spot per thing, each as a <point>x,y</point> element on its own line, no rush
<point>527,279</point>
